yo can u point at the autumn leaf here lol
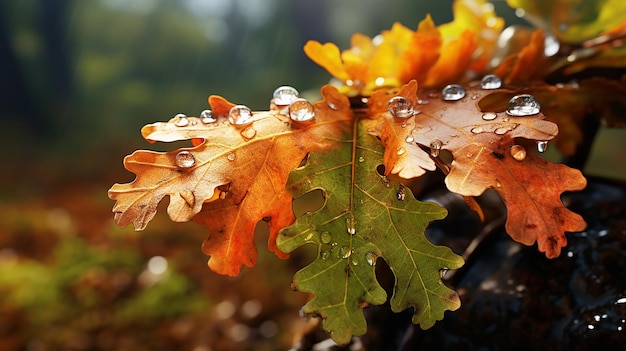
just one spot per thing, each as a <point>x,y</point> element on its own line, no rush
<point>365,217</point>
<point>234,178</point>
<point>487,155</point>
<point>431,55</point>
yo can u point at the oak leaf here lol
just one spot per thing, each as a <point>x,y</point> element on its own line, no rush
<point>365,217</point>
<point>233,178</point>
<point>486,155</point>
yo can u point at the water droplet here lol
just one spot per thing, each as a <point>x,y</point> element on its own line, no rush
<point>453,92</point>
<point>409,139</point>
<point>505,129</point>
<point>442,272</point>
<point>422,102</point>
<point>326,237</point>
<point>185,159</point>
<point>401,194</point>
<point>206,117</point>
<point>518,152</point>
<point>345,252</point>
<point>248,133</point>
<point>489,116</point>
<point>361,159</point>
<point>491,81</point>
<point>371,258</point>
<point>551,46</point>
<point>301,110</point>
<point>325,254</point>
<point>401,151</point>
<point>351,225</point>
<point>400,107</point>
<point>542,146</point>
<point>435,147</point>
<point>188,196</point>
<point>523,105</point>
<point>477,130</point>
<point>310,236</point>
<point>285,95</point>
<point>240,115</point>
<point>231,156</point>
<point>181,120</point>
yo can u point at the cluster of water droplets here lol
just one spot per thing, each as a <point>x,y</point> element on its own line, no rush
<point>299,109</point>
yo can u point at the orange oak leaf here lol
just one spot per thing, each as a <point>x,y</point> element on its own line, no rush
<point>486,154</point>
<point>528,65</point>
<point>235,177</point>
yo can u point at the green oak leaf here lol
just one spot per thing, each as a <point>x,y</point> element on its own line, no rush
<point>365,216</point>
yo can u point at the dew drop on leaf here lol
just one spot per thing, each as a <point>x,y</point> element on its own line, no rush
<point>285,95</point>
<point>345,252</point>
<point>301,110</point>
<point>435,147</point>
<point>523,105</point>
<point>518,152</point>
<point>409,139</point>
<point>401,151</point>
<point>401,194</point>
<point>240,115</point>
<point>351,225</point>
<point>452,92</point>
<point>206,117</point>
<point>542,146</point>
<point>310,236</point>
<point>326,237</point>
<point>400,107</point>
<point>477,130</point>
<point>505,129</point>
<point>491,81</point>
<point>185,159</point>
<point>489,116</point>
<point>361,159</point>
<point>371,258</point>
<point>231,156</point>
<point>248,133</point>
<point>181,120</point>
<point>442,272</point>
<point>325,254</point>
<point>354,261</point>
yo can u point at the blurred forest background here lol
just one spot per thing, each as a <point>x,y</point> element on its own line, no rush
<point>80,78</point>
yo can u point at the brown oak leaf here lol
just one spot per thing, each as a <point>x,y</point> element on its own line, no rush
<point>232,178</point>
<point>486,155</point>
